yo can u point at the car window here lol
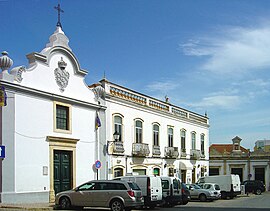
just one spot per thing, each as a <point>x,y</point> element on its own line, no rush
<point>165,184</point>
<point>207,186</point>
<point>86,186</point>
<point>196,186</point>
<point>133,186</point>
<point>176,184</point>
<point>110,186</point>
<point>120,186</point>
<point>217,187</point>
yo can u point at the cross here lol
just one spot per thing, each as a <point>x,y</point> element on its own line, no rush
<point>58,8</point>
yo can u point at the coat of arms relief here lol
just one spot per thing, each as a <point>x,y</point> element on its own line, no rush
<point>61,75</point>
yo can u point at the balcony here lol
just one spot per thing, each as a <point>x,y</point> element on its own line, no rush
<point>183,153</point>
<point>195,154</point>
<point>202,154</point>
<point>140,149</point>
<point>171,152</point>
<point>156,151</point>
<point>118,147</point>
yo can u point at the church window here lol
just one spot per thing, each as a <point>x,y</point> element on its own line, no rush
<point>62,117</point>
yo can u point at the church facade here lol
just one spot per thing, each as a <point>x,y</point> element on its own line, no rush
<point>48,125</point>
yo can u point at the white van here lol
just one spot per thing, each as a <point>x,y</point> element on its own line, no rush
<point>151,188</point>
<point>171,191</point>
<point>230,185</point>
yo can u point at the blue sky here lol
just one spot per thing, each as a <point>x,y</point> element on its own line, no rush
<point>205,55</point>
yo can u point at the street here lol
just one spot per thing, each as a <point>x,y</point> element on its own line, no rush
<point>251,202</point>
<point>240,203</point>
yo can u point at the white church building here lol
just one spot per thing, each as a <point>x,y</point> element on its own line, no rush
<point>55,130</point>
<point>48,125</point>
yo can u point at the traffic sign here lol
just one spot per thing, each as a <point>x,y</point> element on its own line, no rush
<point>2,151</point>
<point>97,164</point>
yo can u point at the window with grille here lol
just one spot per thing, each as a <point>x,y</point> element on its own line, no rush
<point>62,117</point>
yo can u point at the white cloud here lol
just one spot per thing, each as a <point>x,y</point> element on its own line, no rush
<point>162,87</point>
<point>219,101</point>
<point>237,50</point>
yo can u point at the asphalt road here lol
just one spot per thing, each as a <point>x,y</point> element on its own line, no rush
<point>241,203</point>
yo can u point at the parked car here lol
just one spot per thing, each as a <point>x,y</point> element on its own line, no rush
<point>197,193</point>
<point>254,186</point>
<point>230,185</point>
<point>213,188</point>
<point>185,194</point>
<point>171,191</point>
<point>151,187</point>
<point>117,195</point>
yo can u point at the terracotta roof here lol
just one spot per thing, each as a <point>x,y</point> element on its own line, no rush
<point>225,147</point>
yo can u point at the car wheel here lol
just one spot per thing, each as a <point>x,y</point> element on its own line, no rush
<point>65,203</point>
<point>117,205</point>
<point>185,202</point>
<point>224,195</point>
<point>258,192</point>
<point>202,197</point>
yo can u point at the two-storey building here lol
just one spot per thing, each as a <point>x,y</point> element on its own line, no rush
<point>149,136</point>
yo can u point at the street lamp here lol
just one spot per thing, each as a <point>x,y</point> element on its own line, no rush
<point>116,136</point>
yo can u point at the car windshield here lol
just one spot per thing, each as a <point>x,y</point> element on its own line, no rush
<point>133,186</point>
<point>196,186</point>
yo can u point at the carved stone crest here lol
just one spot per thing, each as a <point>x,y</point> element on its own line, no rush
<point>17,72</point>
<point>61,75</point>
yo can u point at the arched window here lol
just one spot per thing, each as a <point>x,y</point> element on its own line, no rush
<point>170,137</point>
<point>118,126</point>
<point>183,140</point>
<point>156,171</point>
<point>171,172</point>
<point>202,144</point>
<point>138,131</point>
<point>156,135</point>
<point>193,140</point>
<point>118,172</point>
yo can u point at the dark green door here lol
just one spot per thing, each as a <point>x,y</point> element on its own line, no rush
<point>62,170</point>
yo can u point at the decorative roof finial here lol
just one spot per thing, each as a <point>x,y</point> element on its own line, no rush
<point>166,99</point>
<point>5,62</point>
<point>58,8</point>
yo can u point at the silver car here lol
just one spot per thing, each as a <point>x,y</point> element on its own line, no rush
<point>197,193</point>
<point>115,194</point>
<point>213,188</point>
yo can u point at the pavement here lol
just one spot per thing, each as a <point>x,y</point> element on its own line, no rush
<point>30,206</point>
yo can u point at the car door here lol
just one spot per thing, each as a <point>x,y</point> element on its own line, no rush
<point>82,195</point>
<point>248,187</point>
<point>99,194</point>
<point>193,191</point>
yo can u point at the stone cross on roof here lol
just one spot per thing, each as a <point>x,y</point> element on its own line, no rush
<point>58,8</point>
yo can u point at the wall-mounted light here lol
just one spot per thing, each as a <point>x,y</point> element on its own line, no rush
<point>116,136</point>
